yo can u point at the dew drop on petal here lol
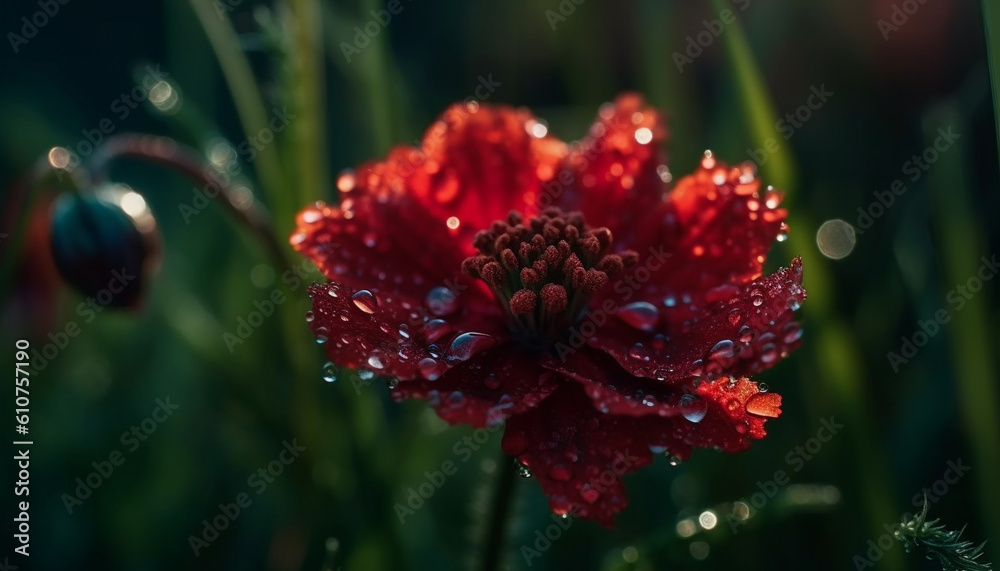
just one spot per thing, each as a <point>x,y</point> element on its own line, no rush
<point>441,301</point>
<point>708,160</point>
<point>793,332</point>
<point>724,349</point>
<point>642,315</point>
<point>746,334</point>
<point>468,344</point>
<point>693,408</point>
<point>492,381</point>
<point>639,352</point>
<point>310,316</point>
<point>429,369</point>
<point>329,372</point>
<point>589,494</point>
<point>673,460</point>
<point>436,329</point>
<point>375,361</point>
<point>365,374</point>
<point>365,301</point>
<point>783,232</point>
<point>768,353</point>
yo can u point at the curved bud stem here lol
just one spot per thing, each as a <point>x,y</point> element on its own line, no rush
<point>167,152</point>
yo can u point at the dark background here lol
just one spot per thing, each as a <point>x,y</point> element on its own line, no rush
<point>902,427</point>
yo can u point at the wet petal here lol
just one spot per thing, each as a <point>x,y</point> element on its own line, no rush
<point>579,454</point>
<point>388,334</point>
<point>710,237</point>
<point>744,334</point>
<point>476,163</point>
<point>483,390</point>
<point>614,170</point>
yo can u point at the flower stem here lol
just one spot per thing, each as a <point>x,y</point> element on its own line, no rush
<point>167,152</point>
<point>496,533</point>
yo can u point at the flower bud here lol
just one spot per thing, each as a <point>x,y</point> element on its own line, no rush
<point>105,244</point>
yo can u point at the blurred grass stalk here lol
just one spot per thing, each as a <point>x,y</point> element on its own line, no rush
<point>249,103</point>
<point>835,352</point>
<point>962,246</point>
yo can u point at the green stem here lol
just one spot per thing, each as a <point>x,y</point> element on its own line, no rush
<point>496,533</point>
<point>167,152</point>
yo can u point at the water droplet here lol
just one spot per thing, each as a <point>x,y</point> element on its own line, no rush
<point>783,232</point>
<point>659,341</point>
<point>735,317</point>
<point>772,197</point>
<point>746,334</point>
<point>521,469</point>
<point>404,331</point>
<point>793,332</point>
<point>375,360</point>
<point>365,374</point>
<point>429,369</point>
<point>708,160</point>
<point>365,301</point>
<point>332,292</point>
<point>441,301</point>
<point>392,383</point>
<point>639,352</point>
<point>436,329</point>
<point>310,316</point>
<point>724,349</point>
<point>762,387</point>
<point>492,381</point>
<point>468,344</point>
<point>758,300</point>
<point>589,494</point>
<point>693,408</point>
<point>670,301</point>
<point>768,353</point>
<point>329,372</point>
<point>673,460</point>
<point>641,315</point>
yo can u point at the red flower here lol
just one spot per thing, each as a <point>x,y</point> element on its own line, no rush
<point>499,273</point>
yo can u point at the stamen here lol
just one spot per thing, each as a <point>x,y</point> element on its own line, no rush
<point>545,269</point>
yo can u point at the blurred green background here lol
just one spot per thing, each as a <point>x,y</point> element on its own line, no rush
<point>232,65</point>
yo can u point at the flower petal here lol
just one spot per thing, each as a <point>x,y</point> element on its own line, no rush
<point>390,335</point>
<point>389,241</point>
<point>579,455</point>
<point>484,390</point>
<point>714,230</point>
<point>744,334</point>
<point>476,163</point>
<point>615,168</point>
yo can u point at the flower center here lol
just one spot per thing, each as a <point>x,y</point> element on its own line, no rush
<point>544,270</point>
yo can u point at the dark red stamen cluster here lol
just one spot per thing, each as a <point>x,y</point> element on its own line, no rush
<point>545,269</point>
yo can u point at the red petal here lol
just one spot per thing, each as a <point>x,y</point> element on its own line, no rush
<point>486,389</point>
<point>476,164</point>
<point>578,455</point>
<point>615,180</point>
<point>745,334</point>
<point>389,242</point>
<point>388,334</point>
<point>715,230</point>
